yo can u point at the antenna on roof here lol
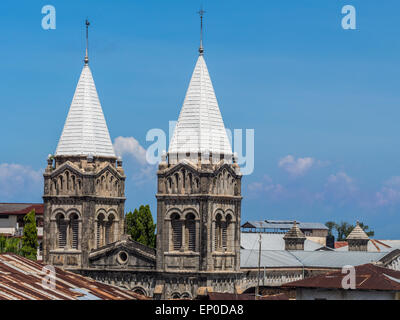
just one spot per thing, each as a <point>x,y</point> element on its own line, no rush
<point>201,13</point>
<point>87,41</point>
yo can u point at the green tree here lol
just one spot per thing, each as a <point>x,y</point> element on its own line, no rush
<point>3,243</point>
<point>331,226</point>
<point>10,245</point>
<point>133,227</point>
<point>140,226</point>
<point>29,238</point>
<point>343,230</point>
<point>370,233</point>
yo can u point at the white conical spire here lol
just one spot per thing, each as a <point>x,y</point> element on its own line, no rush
<point>85,131</point>
<point>200,127</point>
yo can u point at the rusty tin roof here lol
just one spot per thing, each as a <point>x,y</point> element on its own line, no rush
<point>21,279</point>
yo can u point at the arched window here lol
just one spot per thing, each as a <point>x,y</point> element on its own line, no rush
<point>190,235</point>
<point>190,184</point>
<point>67,180</point>
<point>218,232</point>
<point>140,291</point>
<point>110,229</point>
<point>61,183</point>
<point>183,177</point>
<point>176,183</point>
<point>185,295</point>
<point>176,226</point>
<point>62,231</point>
<point>175,295</point>
<point>74,230</point>
<point>169,185</point>
<point>111,185</point>
<point>224,235</point>
<point>228,232</point>
<point>106,181</point>
<point>100,230</point>
<point>228,185</point>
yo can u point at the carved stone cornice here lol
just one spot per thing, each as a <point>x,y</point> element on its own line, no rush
<point>197,196</point>
<point>71,199</point>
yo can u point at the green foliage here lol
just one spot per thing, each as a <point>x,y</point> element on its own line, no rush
<point>132,224</point>
<point>13,245</point>
<point>27,246</point>
<point>370,233</point>
<point>140,226</point>
<point>10,245</point>
<point>343,229</point>
<point>3,243</point>
<point>330,225</point>
<point>29,238</point>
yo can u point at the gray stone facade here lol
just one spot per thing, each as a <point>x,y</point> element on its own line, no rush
<point>84,226</point>
<point>166,285</point>
<point>83,208</point>
<point>198,217</point>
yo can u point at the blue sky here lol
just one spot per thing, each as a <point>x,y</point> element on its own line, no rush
<point>323,101</point>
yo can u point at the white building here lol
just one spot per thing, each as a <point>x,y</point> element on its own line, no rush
<point>12,220</point>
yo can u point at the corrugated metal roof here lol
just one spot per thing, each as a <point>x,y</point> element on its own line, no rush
<point>229,296</point>
<point>340,244</point>
<point>21,279</point>
<point>373,245</point>
<point>269,259</point>
<point>21,208</point>
<point>368,277</point>
<point>334,259</point>
<point>323,259</point>
<point>272,241</point>
<point>283,224</point>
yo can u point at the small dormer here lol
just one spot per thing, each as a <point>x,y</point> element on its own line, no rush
<point>358,239</point>
<point>294,239</point>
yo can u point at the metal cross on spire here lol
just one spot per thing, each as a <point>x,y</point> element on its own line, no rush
<point>201,13</point>
<point>87,41</point>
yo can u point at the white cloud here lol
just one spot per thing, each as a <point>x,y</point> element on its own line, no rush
<point>389,193</point>
<point>130,146</point>
<point>144,174</point>
<point>342,179</point>
<point>18,182</point>
<point>340,187</point>
<point>296,167</point>
<point>139,170</point>
<point>266,186</point>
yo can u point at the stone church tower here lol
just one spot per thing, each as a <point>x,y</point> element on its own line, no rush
<point>199,188</point>
<point>84,184</point>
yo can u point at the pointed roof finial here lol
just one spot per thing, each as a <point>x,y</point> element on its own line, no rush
<point>87,41</point>
<point>201,13</point>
